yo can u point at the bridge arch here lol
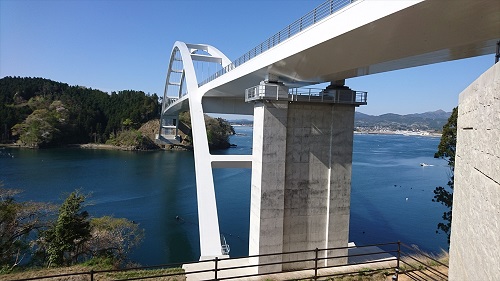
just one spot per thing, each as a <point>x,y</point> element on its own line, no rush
<point>182,74</point>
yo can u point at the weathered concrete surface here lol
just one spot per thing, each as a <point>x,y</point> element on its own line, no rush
<point>475,236</point>
<point>318,178</point>
<point>301,180</point>
<point>268,182</point>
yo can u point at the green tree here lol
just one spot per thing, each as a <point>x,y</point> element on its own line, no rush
<point>66,237</point>
<point>85,108</point>
<point>446,150</point>
<point>19,221</point>
<point>218,130</point>
<point>127,123</point>
<point>37,130</point>
<point>113,237</point>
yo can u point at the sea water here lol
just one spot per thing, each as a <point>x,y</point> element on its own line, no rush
<point>391,197</point>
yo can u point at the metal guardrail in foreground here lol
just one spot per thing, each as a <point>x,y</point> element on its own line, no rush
<point>418,269</point>
<point>409,257</point>
<point>322,11</point>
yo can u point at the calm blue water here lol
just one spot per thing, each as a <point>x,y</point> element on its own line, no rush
<point>152,188</point>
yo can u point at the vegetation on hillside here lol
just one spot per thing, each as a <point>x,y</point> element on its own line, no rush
<point>37,112</point>
<point>131,140</point>
<point>446,150</point>
<point>218,131</point>
<point>34,234</point>
<point>19,222</point>
<point>428,121</point>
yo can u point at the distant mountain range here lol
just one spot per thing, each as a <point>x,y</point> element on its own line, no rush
<point>432,121</point>
<point>428,121</point>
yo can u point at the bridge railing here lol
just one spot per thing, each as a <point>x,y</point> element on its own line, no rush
<point>345,96</point>
<point>322,11</point>
<point>268,91</point>
<point>278,92</point>
<point>168,101</point>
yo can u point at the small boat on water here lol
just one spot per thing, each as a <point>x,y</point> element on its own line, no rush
<point>426,165</point>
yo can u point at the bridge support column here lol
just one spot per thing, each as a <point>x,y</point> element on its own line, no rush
<point>301,180</point>
<point>268,182</point>
<point>318,179</point>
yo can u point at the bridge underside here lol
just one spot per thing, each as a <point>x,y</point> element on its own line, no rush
<point>369,37</point>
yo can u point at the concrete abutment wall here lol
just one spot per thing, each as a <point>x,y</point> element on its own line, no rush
<point>301,180</point>
<point>475,236</point>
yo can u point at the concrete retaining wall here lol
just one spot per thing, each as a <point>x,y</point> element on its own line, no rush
<point>475,236</point>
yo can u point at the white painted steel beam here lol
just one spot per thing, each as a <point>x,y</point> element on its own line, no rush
<point>210,245</point>
<point>206,58</point>
<point>231,161</point>
<point>202,47</point>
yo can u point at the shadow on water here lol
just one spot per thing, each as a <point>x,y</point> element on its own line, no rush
<point>173,240</point>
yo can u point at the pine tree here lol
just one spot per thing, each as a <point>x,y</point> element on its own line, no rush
<point>446,150</point>
<point>67,236</point>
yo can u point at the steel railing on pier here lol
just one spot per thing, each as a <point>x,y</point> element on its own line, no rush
<point>276,92</point>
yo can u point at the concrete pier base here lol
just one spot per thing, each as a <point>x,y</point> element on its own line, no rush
<point>301,180</point>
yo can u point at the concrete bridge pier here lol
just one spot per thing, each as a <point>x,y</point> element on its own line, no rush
<point>301,180</point>
<point>268,182</point>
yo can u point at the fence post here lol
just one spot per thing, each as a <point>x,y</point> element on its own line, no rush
<point>91,275</point>
<point>497,56</point>
<point>216,264</point>
<point>396,273</point>
<point>316,264</point>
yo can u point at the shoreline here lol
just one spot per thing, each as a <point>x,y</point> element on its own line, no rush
<point>101,146</point>
<point>400,133</point>
<point>95,146</point>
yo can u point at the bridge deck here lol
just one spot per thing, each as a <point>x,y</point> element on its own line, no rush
<point>368,37</point>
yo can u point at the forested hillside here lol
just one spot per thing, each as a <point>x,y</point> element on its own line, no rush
<point>41,112</point>
<point>218,131</point>
<point>37,112</point>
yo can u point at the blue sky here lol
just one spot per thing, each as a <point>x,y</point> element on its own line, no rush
<point>117,45</point>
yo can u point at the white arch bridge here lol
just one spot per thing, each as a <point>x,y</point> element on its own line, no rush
<point>302,150</point>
